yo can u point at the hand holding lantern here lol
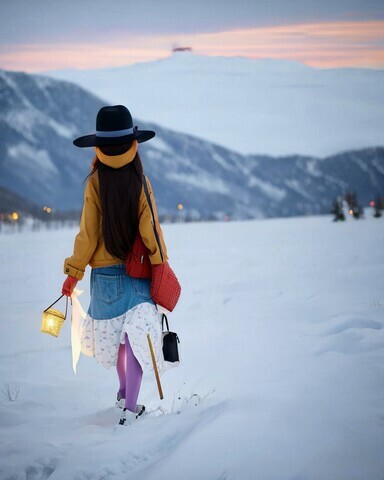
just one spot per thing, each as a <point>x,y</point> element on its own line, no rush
<point>69,285</point>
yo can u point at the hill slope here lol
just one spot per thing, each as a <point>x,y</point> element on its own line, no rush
<point>39,117</point>
<point>271,107</point>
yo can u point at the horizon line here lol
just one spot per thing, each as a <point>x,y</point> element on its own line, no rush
<point>192,53</point>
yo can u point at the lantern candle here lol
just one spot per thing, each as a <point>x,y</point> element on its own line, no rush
<point>53,320</point>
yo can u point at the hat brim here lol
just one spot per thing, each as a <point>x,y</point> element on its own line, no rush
<point>95,141</point>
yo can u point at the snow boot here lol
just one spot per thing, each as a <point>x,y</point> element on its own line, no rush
<point>120,403</point>
<point>128,417</point>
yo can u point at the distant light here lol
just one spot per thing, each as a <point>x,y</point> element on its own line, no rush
<point>49,210</point>
<point>15,216</point>
<point>180,206</point>
<point>351,212</point>
<point>372,203</point>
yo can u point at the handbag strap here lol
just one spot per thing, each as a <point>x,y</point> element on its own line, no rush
<point>166,322</point>
<point>66,305</point>
<point>153,216</point>
<point>162,328</point>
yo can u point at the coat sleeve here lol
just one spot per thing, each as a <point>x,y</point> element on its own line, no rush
<point>87,239</point>
<point>156,246</point>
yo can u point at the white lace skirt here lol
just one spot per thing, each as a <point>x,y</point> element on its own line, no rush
<point>101,338</point>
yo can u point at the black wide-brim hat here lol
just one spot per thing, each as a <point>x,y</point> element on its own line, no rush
<point>114,125</point>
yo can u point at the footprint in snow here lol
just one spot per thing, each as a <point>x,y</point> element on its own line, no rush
<point>354,323</point>
<point>181,402</point>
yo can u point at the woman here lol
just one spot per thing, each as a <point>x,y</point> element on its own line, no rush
<point>115,210</point>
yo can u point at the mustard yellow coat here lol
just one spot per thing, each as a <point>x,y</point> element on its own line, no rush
<point>89,248</point>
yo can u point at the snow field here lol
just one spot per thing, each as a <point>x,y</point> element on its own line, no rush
<point>281,329</point>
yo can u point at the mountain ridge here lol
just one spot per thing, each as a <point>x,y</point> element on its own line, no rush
<point>40,116</point>
<point>275,107</point>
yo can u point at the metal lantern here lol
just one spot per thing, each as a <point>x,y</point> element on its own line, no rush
<point>53,319</point>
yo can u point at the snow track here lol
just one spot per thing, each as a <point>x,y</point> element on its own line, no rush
<point>282,343</point>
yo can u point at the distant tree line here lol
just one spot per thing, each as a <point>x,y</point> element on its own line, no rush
<point>349,202</point>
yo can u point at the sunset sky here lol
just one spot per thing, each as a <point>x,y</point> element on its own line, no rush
<point>49,35</point>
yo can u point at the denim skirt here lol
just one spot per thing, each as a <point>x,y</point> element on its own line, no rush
<point>121,305</point>
<point>113,292</point>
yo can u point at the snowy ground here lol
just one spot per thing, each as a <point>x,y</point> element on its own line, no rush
<point>281,324</point>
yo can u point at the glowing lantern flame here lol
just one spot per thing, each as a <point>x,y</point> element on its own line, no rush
<point>52,322</point>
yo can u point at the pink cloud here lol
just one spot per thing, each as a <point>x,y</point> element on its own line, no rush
<point>322,45</point>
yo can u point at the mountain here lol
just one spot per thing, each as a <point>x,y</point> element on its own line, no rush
<point>299,185</point>
<point>38,119</point>
<point>271,107</point>
<point>11,202</point>
<point>40,116</point>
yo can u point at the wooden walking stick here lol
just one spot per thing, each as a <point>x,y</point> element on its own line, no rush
<point>155,367</point>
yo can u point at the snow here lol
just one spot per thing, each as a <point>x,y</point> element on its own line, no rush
<point>61,129</point>
<point>297,187</point>
<point>312,168</point>
<point>224,163</point>
<point>159,144</point>
<point>207,183</point>
<point>13,86</point>
<point>37,159</point>
<point>23,122</point>
<point>378,165</point>
<point>281,329</point>
<point>266,106</point>
<point>27,119</point>
<point>366,170</point>
<point>273,192</point>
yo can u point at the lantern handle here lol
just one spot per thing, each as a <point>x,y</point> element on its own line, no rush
<point>66,305</point>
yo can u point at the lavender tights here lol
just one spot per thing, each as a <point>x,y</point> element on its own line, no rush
<point>130,374</point>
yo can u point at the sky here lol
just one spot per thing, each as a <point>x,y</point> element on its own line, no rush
<point>43,35</point>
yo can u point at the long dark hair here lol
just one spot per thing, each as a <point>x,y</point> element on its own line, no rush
<point>120,190</point>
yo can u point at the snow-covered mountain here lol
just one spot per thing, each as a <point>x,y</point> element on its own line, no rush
<point>40,116</point>
<point>11,202</point>
<point>272,107</point>
<point>305,185</point>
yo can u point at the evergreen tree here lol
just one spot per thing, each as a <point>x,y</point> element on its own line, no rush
<point>337,210</point>
<point>379,207</point>
<point>354,208</point>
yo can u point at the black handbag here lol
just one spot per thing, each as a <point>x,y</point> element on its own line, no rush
<point>170,343</point>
